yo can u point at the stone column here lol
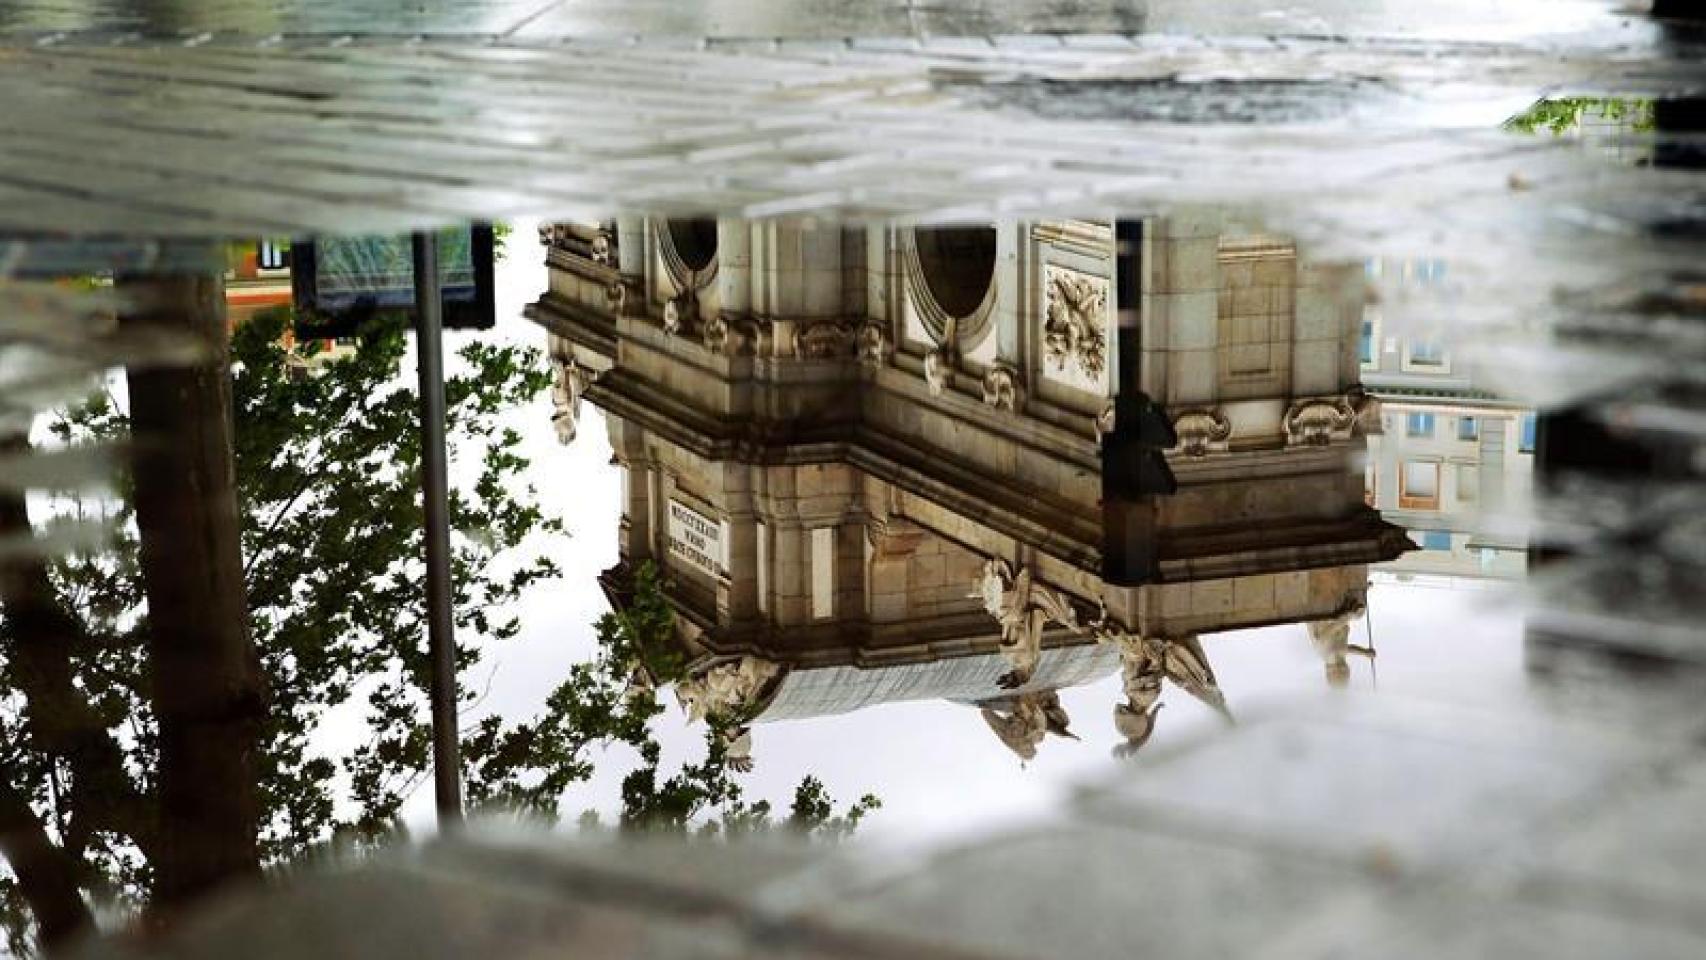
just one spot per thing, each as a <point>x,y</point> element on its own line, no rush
<point>796,277</point>
<point>734,266</point>
<point>893,541</point>
<point>820,271</point>
<point>739,594</point>
<point>637,489</point>
<point>631,261</point>
<point>1010,308</point>
<point>1179,362</point>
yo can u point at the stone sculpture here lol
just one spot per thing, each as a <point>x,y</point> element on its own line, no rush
<point>569,384</point>
<point>1023,609</point>
<point>1022,721</point>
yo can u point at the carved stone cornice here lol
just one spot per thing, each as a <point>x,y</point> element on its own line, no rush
<point>1201,431</point>
<point>1093,237</point>
<point>596,243</point>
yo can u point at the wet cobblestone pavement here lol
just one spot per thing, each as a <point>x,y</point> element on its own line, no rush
<point>937,463</point>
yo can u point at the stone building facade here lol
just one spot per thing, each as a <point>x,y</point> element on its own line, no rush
<point>870,455</point>
<point>1453,463</point>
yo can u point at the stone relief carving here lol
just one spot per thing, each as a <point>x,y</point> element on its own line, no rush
<point>726,696</point>
<point>1201,431</point>
<point>616,295</point>
<point>873,344</point>
<point>1023,720</point>
<point>823,340</point>
<point>596,243</point>
<point>1318,421</point>
<point>1023,608</point>
<point>1075,320</point>
<point>570,382</point>
<point>681,313</point>
<point>717,333</point>
<point>939,363</point>
<point>939,370</point>
<point>1001,387</point>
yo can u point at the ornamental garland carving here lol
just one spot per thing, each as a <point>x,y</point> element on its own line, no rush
<point>1075,321</point>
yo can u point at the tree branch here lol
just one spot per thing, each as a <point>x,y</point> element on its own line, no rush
<point>59,720</point>
<point>308,479</point>
<point>46,875</point>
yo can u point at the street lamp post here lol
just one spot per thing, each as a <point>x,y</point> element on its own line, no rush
<point>441,641</point>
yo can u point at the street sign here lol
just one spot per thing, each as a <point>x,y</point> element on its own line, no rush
<point>341,283</point>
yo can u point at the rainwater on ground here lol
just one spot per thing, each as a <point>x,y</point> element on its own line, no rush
<point>934,479</point>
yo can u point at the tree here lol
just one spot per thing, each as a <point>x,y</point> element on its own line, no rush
<point>325,458</point>
<point>1564,114</point>
<point>206,692</point>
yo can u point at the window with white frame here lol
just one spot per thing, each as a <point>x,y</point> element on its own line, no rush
<point>1418,485</point>
<point>1468,482</point>
<point>823,573</point>
<point>1426,356</point>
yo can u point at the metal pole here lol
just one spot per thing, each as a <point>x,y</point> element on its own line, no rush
<point>1134,463</point>
<point>441,641</point>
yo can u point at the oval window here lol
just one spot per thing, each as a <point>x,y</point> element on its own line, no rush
<point>958,264</point>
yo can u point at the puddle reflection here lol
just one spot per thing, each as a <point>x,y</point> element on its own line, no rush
<point>872,472</point>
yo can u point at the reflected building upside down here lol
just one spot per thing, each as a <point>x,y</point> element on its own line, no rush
<point>1453,462</point>
<point>868,459</point>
